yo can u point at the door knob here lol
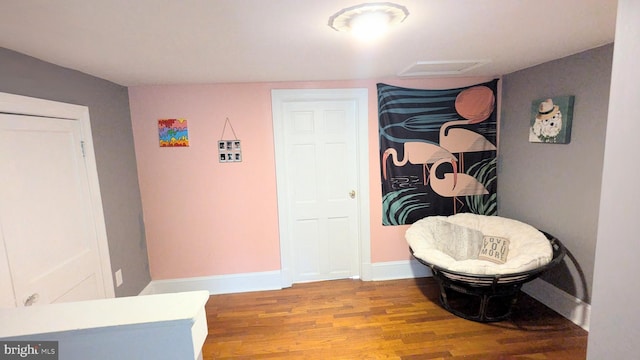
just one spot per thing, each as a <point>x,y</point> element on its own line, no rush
<point>31,299</point>
<point>352,194</point>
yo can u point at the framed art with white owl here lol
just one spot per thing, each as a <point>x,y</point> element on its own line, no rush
<point>551,120</point>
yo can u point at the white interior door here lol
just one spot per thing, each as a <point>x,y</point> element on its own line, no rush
<point>319,187</point>
<point>47,216</point>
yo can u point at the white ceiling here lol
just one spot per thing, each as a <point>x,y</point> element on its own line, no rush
<point>137,42</point>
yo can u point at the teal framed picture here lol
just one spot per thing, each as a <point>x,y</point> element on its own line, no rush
<point>551,120</point>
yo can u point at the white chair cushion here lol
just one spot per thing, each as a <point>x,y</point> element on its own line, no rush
<point>528,247</point>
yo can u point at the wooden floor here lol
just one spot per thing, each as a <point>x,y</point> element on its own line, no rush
<point>398,319</point>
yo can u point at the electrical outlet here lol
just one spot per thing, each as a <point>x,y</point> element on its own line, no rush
<point>118,277</point>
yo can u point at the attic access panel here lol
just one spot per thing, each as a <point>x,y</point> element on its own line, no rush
<point>446,67</point>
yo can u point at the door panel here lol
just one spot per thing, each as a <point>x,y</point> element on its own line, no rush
<point>46,212</point>
<point>84,290</point>
<point>321,163</point>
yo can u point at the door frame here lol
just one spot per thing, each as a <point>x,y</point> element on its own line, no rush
<point>281,96</point>
<point>24,105</point>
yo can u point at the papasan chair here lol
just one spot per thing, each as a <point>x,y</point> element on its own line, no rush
<point>481,262</point>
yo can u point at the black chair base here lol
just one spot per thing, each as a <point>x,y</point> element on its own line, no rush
<point>486,298</point>
<point>478,304</point>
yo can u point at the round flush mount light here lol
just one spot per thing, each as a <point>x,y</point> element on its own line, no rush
<point>369,20</point>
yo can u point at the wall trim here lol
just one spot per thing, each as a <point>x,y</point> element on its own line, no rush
<point>393,270</point>
<point>572,308</point>
<point>568,306</point>
<point>218,284</point>
<point>147,290</point>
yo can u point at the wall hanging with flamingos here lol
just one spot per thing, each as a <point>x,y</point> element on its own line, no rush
<point>421,131</point>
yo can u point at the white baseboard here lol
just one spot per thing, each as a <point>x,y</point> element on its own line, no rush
<point>572,308</point>
<point>559,301</point>
<point>393,270</point>
<point>148,290</point>
<point>218,284</point>
<point>273,280</point>
<point>366,272</point>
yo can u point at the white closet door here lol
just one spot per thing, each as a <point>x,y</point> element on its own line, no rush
<point>46,218</point>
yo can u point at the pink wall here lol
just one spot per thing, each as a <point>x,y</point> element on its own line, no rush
<point>206,218</point>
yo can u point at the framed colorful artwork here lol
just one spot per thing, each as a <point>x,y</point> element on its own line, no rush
<point>551,120</point>
<point>173,133</point>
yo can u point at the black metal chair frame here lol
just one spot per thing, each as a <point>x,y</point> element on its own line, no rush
<point>488,288</point>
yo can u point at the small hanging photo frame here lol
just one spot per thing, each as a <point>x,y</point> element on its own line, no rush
<point>229,150</point>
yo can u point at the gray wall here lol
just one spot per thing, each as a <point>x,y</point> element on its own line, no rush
<point>556,187</point>
<point>113,143</point>
<point>615,318</point>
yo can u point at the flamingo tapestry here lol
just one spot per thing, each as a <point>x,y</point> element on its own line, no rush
<point>437,151</point>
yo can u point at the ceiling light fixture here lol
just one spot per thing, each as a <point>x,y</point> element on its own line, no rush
<point>368,21</point>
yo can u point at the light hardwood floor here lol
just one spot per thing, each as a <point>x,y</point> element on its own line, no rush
<point>398,319</point>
